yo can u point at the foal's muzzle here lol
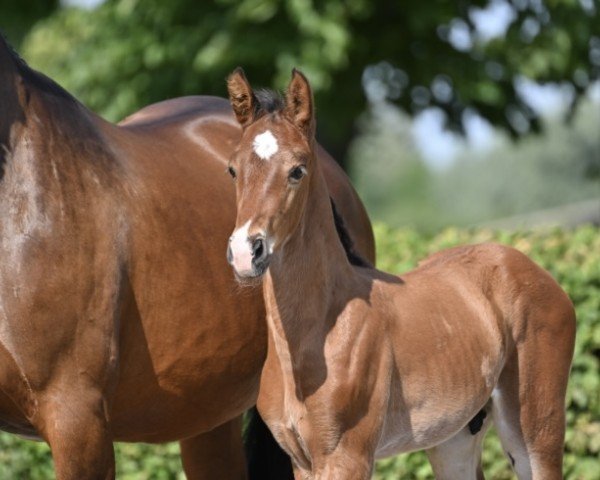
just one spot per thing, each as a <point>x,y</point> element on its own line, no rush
<point>248,256</point>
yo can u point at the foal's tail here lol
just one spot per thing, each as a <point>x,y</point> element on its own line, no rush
<point>265,458</point>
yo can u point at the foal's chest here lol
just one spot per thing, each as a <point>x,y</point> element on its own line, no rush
<point>293,432</point>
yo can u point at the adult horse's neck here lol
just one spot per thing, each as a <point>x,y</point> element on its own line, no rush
<point>305,283</point>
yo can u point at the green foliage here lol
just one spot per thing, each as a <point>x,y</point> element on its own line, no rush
<point>17,17</point>
<point>130,53</point>
<point>148,462</point>
<point>126,54</point>
<point>23,459</point>
<point>572,257</point>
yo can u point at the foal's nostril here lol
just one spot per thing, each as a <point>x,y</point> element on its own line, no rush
<point>258,248</point>
<point>260,255</point>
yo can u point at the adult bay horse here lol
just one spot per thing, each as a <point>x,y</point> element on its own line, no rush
<point>119,316</point>
<point>362,364</point>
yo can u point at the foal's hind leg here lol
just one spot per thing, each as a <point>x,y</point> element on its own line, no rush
<point>215,454</point>
<point>528,404</point>
<point>459,457</point>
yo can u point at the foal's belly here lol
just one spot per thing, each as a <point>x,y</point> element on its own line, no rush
<point>425,414</point>
<point>425,428</point>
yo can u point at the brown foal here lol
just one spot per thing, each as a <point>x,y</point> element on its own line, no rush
<point>362,364</point>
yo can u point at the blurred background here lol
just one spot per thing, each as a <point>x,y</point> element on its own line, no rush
<point>458,121</point>
<point>443,112</point>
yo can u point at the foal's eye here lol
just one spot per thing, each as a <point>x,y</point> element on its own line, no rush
<point>232,172</point>
<point>297,173</point>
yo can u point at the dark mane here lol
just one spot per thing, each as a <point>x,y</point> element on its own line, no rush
<point>34,78</point>
<point>269,101</point>
<point>353,257</point>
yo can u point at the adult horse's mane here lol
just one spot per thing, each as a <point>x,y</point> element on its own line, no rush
<point>35,78</point>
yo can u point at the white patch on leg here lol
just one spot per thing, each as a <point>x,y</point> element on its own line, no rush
<point>265,145</point>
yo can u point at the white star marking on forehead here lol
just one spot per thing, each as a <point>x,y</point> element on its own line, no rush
<point>265,145</point>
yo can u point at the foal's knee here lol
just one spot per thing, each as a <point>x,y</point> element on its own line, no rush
<point>348,467</point>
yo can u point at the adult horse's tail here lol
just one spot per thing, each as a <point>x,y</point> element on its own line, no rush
<point>265,458</point>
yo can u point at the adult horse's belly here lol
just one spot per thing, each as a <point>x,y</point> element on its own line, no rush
<point>192,341</point>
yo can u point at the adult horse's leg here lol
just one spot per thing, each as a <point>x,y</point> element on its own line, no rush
<point>215,454</point>
<point>460,456</point>
<point>71,360</point>
<point>528,405</point>
<point>73,420</point>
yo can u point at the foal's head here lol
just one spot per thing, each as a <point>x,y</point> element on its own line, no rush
<point>271,166</point>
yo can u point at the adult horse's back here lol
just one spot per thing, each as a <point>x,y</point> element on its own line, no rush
<point>119,316</point>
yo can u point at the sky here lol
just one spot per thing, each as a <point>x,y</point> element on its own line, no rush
<point>81,3</point>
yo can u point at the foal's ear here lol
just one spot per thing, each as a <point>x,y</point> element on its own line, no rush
<point>241,97</point>
<point>299,104</point>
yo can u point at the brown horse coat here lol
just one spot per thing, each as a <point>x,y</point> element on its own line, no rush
<point>119,316</point>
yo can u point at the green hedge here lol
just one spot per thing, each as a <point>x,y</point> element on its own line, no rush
<point>573,258</point>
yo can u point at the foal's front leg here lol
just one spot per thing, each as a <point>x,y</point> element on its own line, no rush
<point>352,459</point>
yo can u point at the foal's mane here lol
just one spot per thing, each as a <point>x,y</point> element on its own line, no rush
<point>353,257</point>
<point>31,76</point>
<point>268,101</point>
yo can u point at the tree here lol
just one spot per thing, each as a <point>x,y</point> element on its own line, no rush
<point>127,54</point>
<point>17,17</point>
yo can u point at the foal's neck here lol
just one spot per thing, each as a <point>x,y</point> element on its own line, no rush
<point>306,282</point>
